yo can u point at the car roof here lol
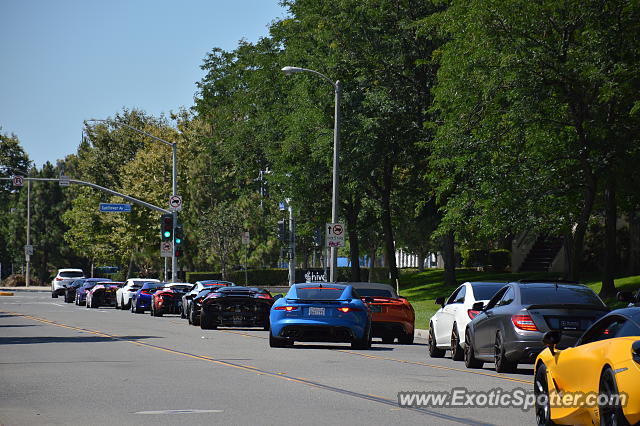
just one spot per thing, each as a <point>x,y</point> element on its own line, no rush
<point>479,283</point>
<point>630,312</point>
<point>335,285</point>
<point>372,286</point>
<point>70,270</point>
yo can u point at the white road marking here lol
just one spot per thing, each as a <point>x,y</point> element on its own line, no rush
<point>180,412</point>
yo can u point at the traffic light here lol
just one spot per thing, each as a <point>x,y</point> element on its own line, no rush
<point>179,239</point>
<point>282,231</point>
<point>166,227</point>
<point>317,237</point>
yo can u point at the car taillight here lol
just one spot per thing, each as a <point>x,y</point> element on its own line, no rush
<point>145,292</point>
<point>59,279</point>
<point>524,322</point>
<point>346,309</point>
<point>472,313</point>
<point>263,296</point>
<point>286,308</point>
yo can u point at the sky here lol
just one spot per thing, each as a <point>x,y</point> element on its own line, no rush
<point>65,61</point>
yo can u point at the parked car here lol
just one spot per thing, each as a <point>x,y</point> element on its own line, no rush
<point>103,294</point>
<point>81,292</point>
<point>131,286</point>
<point>320,312</point>
<point>70,289</point>
<point>168,299</point>
<point>604,361</point>
<point>141,299</point>
<point>197,287</point>
<point>196,305</point>
<point>392,316</point>
<point>509,329</point>
<point>62,278</point>
<point>447,326</point>
<point>236,307</point>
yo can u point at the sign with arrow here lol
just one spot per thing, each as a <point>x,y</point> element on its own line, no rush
<point>335,235</point>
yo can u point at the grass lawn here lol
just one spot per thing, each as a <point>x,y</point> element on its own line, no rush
<point>422,288</point>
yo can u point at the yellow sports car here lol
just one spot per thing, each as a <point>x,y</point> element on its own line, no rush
<point>595,382</point>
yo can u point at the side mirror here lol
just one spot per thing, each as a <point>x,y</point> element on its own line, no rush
<point>440,301</point>
<point>478,306</point>
<point>368,299</point>
<point>551,340</point>
<point>625,296</point>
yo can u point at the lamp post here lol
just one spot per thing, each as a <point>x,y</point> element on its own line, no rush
<point>336,152</point>
<point>174,184</point>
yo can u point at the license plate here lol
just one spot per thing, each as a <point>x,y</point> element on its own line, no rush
<point>375,308</point>
<point>569,324</point>
<point>316,311</point>
<point>237,318</point>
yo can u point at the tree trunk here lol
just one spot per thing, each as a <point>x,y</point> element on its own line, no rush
<point>351,211</point>
<point>448,256</point>
<point>581,227</point>
<point>421,256</point>
<point>633,265</point>
<point>372,264</point>
<point>610,249</point>
<point>387,226</point>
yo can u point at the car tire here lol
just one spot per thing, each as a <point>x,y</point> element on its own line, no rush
<point>67,298</point>
<point>406,338</point>
<point>434,351</point>
<point>207,322</point>
<point>457,353</point>
<point>365,341</point>
<point>279,342</point>
<point>183,315</point>
<point>125,305</point>
<point>610,415</point>
<point>470,360</point>
<point>194,319</point>
<point>267,325</point>
<point>502,364</point>
<point>116,305</point>
<point>541,392</point>
<point>53,295</point>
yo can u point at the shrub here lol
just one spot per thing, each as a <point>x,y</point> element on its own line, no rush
<point>475,257</point>
<point>500,259</point>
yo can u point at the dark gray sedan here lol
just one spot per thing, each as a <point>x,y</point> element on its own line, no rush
<point>510,327</point>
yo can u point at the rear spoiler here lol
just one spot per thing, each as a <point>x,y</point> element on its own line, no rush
<point>318,300</point>
<point>569,306</point>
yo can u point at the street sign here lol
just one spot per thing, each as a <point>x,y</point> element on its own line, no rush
<point>18,180</point>
<point>28,250</point>
<point>175,202</point>
<point>110,207</point>
<point>166,249</point>
<point>282,206</point>
<point>64,180</point>
<point>245,238</point>
<point>335,235</point>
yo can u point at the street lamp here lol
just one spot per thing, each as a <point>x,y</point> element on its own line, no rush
<point>336,152</point>
<point>174,184</point>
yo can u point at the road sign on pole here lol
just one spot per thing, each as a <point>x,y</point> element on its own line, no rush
<point>335,235</point>
<point>175,202</point>
<point>112,207</point>
<point>18,180</point>
<point>245,238</point>
<point>166,249</point>
<point>64,180</point>
<point>28,250</point>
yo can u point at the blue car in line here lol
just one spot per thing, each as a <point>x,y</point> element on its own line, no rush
<point>88,284</point>
<point>320,312</point>
<point>141,300</point>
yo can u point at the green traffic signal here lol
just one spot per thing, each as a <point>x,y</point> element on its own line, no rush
<point>178,240</point>
<point>167,234</point>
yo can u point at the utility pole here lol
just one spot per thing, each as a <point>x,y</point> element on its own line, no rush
<point>27,278</point>
<point>292,246</point>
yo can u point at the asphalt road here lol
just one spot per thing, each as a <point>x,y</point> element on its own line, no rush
<point>64,365</point>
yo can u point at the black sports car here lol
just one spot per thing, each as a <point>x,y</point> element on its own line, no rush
<point>509,329</point>
<point>195,305</point>
<point>236,307</point>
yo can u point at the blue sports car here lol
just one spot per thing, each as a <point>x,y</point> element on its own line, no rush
<point>320,312</point>
<point>141,300</point>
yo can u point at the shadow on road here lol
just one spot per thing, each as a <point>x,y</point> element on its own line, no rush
<point>61,339</point>
<point>341,348</point>
<point>20,325</point>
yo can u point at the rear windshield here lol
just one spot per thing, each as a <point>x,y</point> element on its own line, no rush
<point>372,292</point>
<point>549,295</point>
<point>486,291</point>
<point>71,274</point>
<point>150,286</point>
<point>319,293</point>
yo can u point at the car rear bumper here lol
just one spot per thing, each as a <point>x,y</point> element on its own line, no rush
<point>526,350</point>
<point>318,333</point>
<point>388,328</point>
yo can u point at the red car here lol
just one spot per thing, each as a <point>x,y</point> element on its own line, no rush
<point>168,299</point>
<point>392,315</point>
<point>103,294</point>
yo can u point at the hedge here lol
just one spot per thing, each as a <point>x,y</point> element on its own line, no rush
<point>475,257</point>
<point>500,259</point>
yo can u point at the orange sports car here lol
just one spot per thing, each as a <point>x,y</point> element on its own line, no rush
<point>392,315</point>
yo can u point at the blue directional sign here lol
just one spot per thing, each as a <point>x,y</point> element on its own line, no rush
<point>108,207</point>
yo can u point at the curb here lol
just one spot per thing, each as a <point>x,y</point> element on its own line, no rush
<point>26,289</point>
<point>421,334</point>
<point>6,293</point>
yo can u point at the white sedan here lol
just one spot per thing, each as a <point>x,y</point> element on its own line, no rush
<point>447,325</point>
<point>123,295</point>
